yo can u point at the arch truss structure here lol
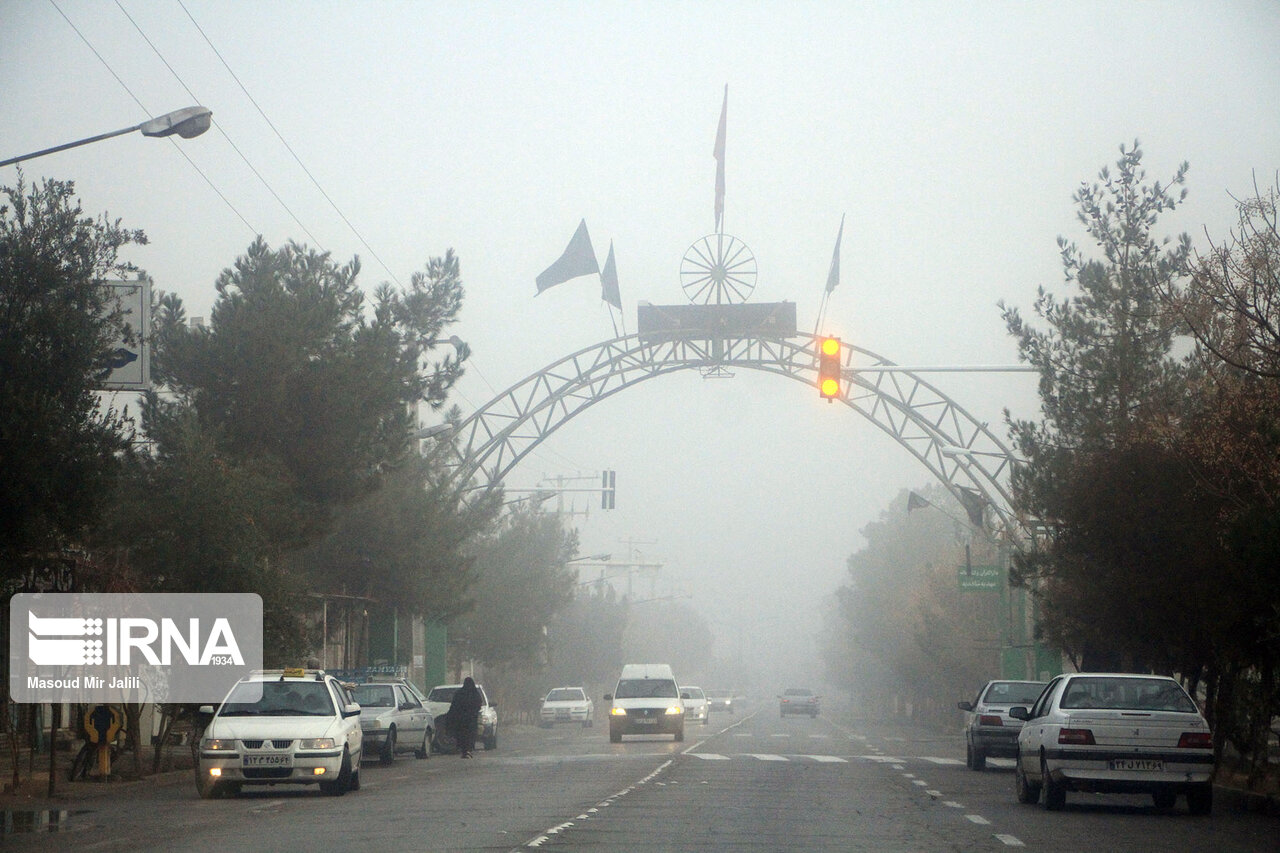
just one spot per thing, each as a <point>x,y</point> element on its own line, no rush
<point>961,452</point>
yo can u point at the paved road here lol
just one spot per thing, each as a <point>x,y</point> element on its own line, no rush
<point>750,782</point>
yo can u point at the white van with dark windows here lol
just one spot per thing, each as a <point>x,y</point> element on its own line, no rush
<point>645,702</point>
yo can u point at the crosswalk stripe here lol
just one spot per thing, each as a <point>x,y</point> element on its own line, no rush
<point>827,759</point>
<point>709,756</point>
<point>767,757</point>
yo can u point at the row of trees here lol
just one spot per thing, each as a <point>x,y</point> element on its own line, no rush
<point>1153,473</point>
<point>276,454</point>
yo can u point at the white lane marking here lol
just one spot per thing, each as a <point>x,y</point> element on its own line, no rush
<point>951,804</point>
<point>899,767</point>
<point>780,734</point>
<point>908,775</point>
<point>883,759</point>
<point>827,759</point>
<point>933,793</point>
<point>919,782</point>
<point>1010,840</point>
<point>819,737</point>
<point>936,760</point>
<point>767,757</point>
<point>743,734</point>
<point>978,819</point>
<point>547,835</point>
<point>709,756</point>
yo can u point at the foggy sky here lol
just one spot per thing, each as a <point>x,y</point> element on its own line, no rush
<point>951,136</point>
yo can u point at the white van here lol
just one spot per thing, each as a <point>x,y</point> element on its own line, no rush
<point>645,702</point>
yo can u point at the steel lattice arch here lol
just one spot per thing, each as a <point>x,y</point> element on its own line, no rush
<point>961,452</point>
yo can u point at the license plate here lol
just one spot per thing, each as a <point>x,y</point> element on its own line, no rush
<point>1137,764</point>
<point>268,761</point>
<point>646,722</point>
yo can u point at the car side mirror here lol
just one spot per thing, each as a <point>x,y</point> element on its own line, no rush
<point>965,706</point>
<point>608,697</point>
<point>406,706</point>
<point>205,709</point>
<point>493,705</point>
<point>685,695</point>
<point>351,710</point>
<point>1020,712</point>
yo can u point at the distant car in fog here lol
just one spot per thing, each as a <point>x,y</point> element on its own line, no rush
<point>567,705</point>
<point>798,700</point>
<point>720,700</point>
<point>695,704</point>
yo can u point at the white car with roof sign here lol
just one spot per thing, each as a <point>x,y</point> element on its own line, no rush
<point>291,727</point>
<point>1114,733</point>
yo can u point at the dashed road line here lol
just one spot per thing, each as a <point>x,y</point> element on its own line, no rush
<point>1009,840</point>
<point>978,819</point>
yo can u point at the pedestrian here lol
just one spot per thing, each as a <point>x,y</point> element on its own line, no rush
<point>464,716</point>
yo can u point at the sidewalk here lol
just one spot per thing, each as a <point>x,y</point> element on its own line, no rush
<point>34,791</point>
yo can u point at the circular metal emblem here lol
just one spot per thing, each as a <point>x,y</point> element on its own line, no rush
<point>719,269</point>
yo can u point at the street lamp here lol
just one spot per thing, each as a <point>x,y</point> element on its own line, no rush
<point>186,122</point>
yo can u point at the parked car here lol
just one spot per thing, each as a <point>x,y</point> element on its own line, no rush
<point>720,700</point>
<point>392,719</point>
<point>695,704</point>
<point>292,726</point>
<point>1114,733</point>
<point>438,705</point>
<point>567,705</point>
<point>988,728</point>
<point>645,701</point>
<point>798,700</point>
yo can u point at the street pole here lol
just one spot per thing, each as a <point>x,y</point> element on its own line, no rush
<point>187,122</point>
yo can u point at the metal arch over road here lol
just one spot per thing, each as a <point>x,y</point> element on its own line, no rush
<point>960,451</point>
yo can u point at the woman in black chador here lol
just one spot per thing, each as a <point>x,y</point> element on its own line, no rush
<point>464,716</point>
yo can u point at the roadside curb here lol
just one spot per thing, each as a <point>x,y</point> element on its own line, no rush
<point>34,793</point>
<point>1240,800</point>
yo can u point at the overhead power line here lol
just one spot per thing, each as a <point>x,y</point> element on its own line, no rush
<point>287,146</point>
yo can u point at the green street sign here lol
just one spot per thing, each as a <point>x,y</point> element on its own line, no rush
<point>978,577</point>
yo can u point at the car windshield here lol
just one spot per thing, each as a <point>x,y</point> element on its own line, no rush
<point>1128,694</point>
<point>1013,692</point>
<point>645,688</point>
<point>441,694</point>
<point>695,693</point>
<point>279,699</point>
<point>375,695</point>
<point>799,692</point>
<point>565,695</point>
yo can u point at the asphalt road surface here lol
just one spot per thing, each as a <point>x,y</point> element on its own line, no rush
<point>753,781</point>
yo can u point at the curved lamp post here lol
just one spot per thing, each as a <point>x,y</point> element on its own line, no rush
<point>186,122</point>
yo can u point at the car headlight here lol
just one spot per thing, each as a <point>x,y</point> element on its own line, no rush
<point>618,712</point>
<point>317,743</point>
<point>212,743</point>
<point>675,709</point>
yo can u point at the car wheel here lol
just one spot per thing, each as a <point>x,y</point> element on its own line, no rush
<point>355,781</point>
<point>977,758</point>
<point>491,742</point>
<point>1164,799</point>
<point>424,751</point>
<point>389,748</point>
<point>680,734</point>
<point>615,736</point>
<point>1055,793</point>
<point>1028,792</point>
<point>339,786</point>
<point>1200,798</point>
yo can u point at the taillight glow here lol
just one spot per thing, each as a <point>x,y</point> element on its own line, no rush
<point>1078,737</point>
<point>1195,740</point>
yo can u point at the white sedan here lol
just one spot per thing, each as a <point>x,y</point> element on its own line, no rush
<point>567,705</point>
<point>696,708</point>
<point>1114,733</point>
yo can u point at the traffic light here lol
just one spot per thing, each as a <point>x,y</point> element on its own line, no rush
<point>829,368</point>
